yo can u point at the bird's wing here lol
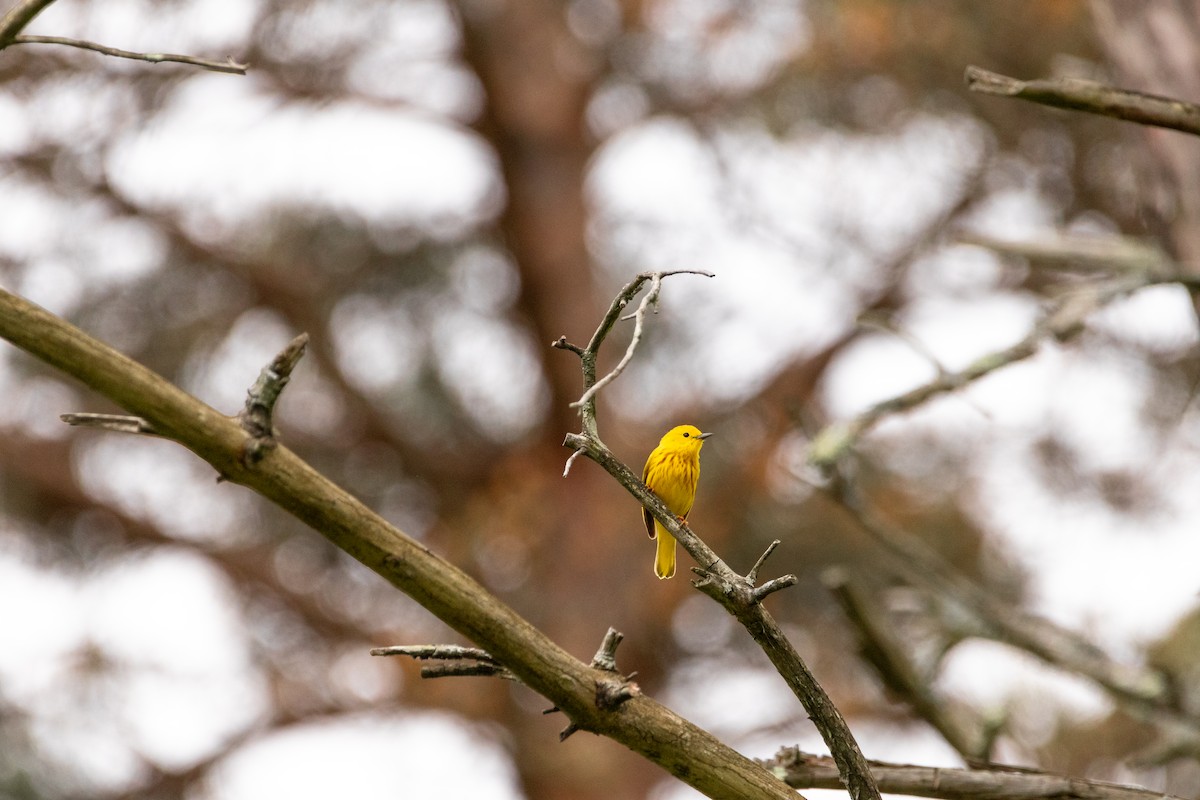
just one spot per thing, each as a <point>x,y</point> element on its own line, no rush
<point>647,517</point>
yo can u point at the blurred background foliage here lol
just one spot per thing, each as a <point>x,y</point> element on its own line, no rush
<point>435,190</point>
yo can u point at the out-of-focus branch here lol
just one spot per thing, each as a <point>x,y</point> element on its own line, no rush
<point>641,724</point>
<point>1123,255</point>
<point>1064,322</point>
<point>971,611</point>
<point>805,771</point>
<point>228,65</point>
<point>880,648</point>
<point>736,593</point>
<point>1095,98</point>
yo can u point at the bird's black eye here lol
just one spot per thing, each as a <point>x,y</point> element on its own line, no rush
<point>686,434</point>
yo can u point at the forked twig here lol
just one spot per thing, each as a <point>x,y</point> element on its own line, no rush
<point>587,402</point>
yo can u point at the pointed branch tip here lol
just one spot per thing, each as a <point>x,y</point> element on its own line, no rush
<point>606,656</point>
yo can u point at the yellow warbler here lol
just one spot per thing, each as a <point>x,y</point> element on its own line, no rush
<point>672,471</point>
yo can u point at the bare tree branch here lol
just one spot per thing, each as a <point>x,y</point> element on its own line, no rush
<point>736,593</point>
<point>587,403</point>
<point>646,727</point>
<point>228,65</point>
<point>1062,323</point>
<point>1092,97</point>
<point>1116,254</point>
<point>459,661</point>
<point>1144,692</point>
<point>805,771</point>
<point>881,649</point>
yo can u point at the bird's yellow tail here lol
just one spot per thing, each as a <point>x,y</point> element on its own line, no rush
<point>664,557</point>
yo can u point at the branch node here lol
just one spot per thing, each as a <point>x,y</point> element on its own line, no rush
<point>561,343</point>
<point>612,693</point>
<point>110,422</point>
<point>570,461</point>
<point>256,417</point>
<point>606,656</point>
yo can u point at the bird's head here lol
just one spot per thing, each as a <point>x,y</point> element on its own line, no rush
<point>684,437</point>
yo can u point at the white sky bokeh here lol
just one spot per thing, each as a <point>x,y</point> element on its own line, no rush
<point>212,155</point>
<point>175,680</point>
<point>418,754</point>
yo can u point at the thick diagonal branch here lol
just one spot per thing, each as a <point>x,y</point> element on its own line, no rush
<point>641,724</point>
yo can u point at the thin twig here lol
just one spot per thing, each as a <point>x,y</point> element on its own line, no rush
<point>1063,322</point>
<point>228,65</point>
<point>587,355</point>
<point>466,670</point>
<point>772,586</point>
<point>752,575</point>
<point>804,771</point>
<point>1092,97</point>
<point>644,726</point>
<point>435,652</point>
<point>649,300</point>
<point>118,423</point>
<point>570,461</point>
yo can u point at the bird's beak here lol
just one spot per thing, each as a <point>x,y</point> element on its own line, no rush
<point>704,435</point>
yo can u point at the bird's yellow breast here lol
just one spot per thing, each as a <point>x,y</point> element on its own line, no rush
<point>673,477</point>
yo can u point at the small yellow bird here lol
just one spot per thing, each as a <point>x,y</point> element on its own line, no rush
<point>672,472</point>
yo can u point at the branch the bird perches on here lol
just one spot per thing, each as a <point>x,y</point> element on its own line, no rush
<point>736,593</point>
